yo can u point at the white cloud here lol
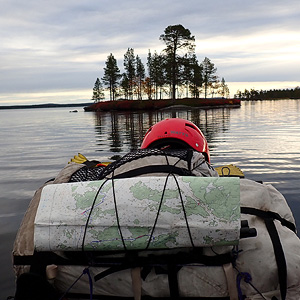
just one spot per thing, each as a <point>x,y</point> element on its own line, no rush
<point>56,45</point>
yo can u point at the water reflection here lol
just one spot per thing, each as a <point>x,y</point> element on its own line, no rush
<point>260,137</point>
<point>124,131</point>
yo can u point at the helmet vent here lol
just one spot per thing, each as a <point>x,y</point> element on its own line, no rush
<point>189,125</point>
<point>166,132</point>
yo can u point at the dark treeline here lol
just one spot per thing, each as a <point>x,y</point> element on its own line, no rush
<point>173,73</point>
<point>270,94</point>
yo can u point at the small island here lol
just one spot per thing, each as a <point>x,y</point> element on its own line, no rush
<point>173,77</point>
<point>137,105</point>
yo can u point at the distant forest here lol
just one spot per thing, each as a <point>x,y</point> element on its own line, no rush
<point>174,73</point>
<point>270,94</point>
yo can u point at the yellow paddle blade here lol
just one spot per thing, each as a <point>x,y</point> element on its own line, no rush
<point>79,159</point>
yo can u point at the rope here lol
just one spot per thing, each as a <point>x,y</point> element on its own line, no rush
<point>85,271</point>
<point>247,278</point>
<point>89,216</point>
<point>184,212</point>
<point>116,209</point>
<point>158,211</point>
<point>161,200</point>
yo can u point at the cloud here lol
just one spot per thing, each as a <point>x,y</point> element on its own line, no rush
<point>57,45</point>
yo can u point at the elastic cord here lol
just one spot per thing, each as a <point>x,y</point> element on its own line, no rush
<point>184,212</point>
<point>158,211</point>
<point>116,209</point>
<point>247,278</point>
<point>89,216</point>
<point>85,271</point>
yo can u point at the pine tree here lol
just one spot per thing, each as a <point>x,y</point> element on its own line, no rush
<point>149,79</point>
<point>208,74</point>
<point>177,38</point>
<point>196,79</point>
<point>125,86</point>
<point>224,90</point>
<point>140,76</point>
<point>98,92</point>
<point>157,73</point>
<point>111,75</point>
<point>130,70</point>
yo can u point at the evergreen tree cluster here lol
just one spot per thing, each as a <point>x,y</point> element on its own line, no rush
<point>175,72</point>
<point>270,94</point>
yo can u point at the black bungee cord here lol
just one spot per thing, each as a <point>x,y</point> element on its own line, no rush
<point>90,213</point>
<point>158,211</point>
<point>184,212</point>
<point>159,208</point>
<point>116,209</point>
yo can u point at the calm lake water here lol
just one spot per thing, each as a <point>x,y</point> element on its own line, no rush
<point>261,137</point>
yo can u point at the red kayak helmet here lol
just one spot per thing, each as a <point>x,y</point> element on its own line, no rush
<point>176,132</point>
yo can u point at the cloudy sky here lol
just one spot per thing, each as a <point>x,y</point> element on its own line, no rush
<point>53,51</point>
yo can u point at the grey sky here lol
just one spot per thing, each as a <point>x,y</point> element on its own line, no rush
<point>55,46</point>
